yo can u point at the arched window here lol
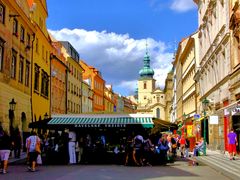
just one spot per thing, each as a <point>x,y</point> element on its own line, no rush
<point>158,113</point>
<point>144,85</point>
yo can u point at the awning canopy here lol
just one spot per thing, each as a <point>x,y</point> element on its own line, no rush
<point>40,124</point>
<point>101,120</point>
<point>161,125</point>
<point>165,124</point>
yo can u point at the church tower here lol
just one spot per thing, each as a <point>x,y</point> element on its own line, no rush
<point>146,83</point>
<point>151,100</point>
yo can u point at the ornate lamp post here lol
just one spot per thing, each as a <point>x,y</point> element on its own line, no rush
<point>45,116</point>
<point>184,124</point>
<point>205,103</point>
<point>12,105</point>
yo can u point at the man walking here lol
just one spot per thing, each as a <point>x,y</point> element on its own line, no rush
<point>232,142</point>
<point>71,147</point>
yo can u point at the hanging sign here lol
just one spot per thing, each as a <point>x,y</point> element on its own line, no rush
<point>213,119</point>
<point>189,130</point>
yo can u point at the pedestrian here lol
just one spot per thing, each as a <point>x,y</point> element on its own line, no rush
<point>137,150</point>
<point>182,142</point>
<point>79,149</point>
<point>17,141</point>
<point>5,146</point>
<point>198,147</point>
<point>72,147</point>
<point>129,151</point>
<point>33,149</point>
<point>232,142</point>
<point>187,146</point>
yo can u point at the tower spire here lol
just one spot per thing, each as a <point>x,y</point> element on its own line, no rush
<point>146,47</point>
<point>146,71</point>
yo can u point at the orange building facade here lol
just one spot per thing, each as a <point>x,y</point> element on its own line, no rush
<point>97,84</point>
<point>59,72</point>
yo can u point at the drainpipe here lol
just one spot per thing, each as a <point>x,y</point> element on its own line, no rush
<point>50,85</point>
<point>81,96</point>
<point>66,89</point>
<point>31,92</point>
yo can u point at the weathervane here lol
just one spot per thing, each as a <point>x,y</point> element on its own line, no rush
<point>146,47</point>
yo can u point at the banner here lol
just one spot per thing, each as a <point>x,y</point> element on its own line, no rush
<point>189,130</point>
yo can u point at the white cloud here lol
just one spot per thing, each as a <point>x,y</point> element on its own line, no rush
<point>118,56</point>
<point>182,5</point>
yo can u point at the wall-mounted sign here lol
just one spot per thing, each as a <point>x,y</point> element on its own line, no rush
<point>189,130</point>
<point>196,116</point>
<point>99,125</point>
<point>213,119</point>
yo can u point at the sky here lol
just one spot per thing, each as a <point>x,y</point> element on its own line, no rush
<point>111,35</point>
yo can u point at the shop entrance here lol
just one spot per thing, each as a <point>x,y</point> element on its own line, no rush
<point>236,127</point>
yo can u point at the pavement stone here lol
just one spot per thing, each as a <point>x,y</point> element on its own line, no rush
<point>221,163</point>
<point>13,160</point>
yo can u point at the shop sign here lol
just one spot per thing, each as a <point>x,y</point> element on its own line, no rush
<point>98,125</point>
<point>236,110</point>
<point>226,112</point>
<point>189,130</point>
<point>213,119</point>
<point>87,125</point>
<point>196,116</point>
<point>114,125</point>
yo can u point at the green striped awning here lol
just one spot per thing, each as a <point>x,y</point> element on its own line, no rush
<point>101,120</point>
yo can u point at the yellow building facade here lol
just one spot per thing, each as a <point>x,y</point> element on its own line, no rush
<point>188,61</point>
<point>108,99</point>
<point>87,97</point>
<point>16,36</point>
<point>168,90</point>
<point>41,48</point>
<point>74,79</point>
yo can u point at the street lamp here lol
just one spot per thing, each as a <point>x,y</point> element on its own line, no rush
<point>184,123</point>
<point>45,116</point>
<point>205,103</point>
<point>12,105</point>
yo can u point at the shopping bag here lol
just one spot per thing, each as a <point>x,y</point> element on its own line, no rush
<point>39,159</point>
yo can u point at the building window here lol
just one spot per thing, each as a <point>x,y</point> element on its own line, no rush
<point>15,27</point>
<point>43,52</point>
<point>158,113</point>
<point>22,34</point>
<point>27,73</point>
<point>45,84</point>
<point>36,76</point>
<point>37,45</point>
<point>28,40</point>
<point>13,64</point>
<point>2,14</point>
<point>145,85</point>
<point>20,75</point>
<point>1,53</point>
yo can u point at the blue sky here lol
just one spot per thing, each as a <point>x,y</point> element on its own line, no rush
<point>111,34</point>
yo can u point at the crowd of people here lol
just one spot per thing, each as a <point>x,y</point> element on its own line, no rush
<point>67,147</point>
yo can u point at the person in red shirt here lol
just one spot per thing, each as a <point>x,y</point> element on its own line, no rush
<point>182,142</point>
